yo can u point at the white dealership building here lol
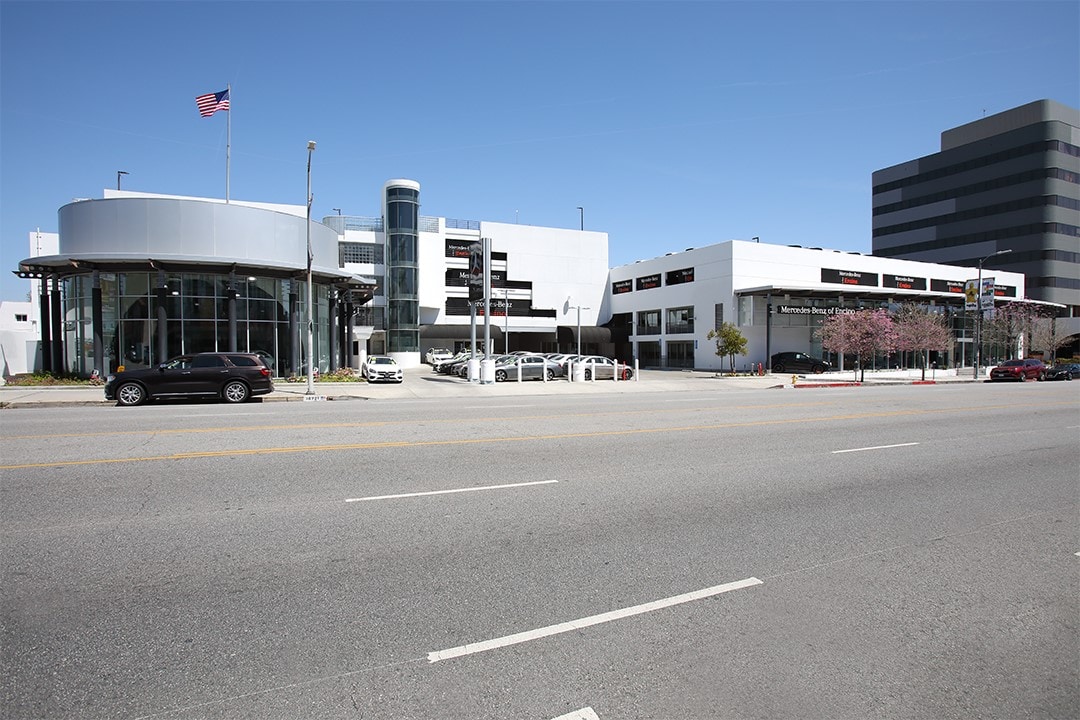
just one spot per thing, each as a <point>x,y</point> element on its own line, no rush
<point>135,278</point>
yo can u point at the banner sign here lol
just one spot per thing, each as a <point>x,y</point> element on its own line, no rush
<point>808,310</point>
<point>622,286</point>
<point>518,308</point>
<point>902,282</point>
<point>949,286</point>
<point>986,294</point>
<point>476,270</point>
<point>677,277</point>
<point>648,282</point>
<point>971,294</point>
<point>458,248</point>
<point>1004,290</point>
<point>848,277</point>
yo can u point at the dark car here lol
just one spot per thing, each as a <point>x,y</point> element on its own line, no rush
<point>1068,371</point>
<point>233,377</point>
<point>1019,370</point>
<point>798,362</point>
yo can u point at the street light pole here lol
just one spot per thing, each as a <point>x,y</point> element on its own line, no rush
<point>310,294</point>
<point>979,313</point>
<point>118,174</point>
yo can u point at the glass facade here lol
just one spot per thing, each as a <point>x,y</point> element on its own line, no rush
<point>402,270</point>
<point>196,319</point>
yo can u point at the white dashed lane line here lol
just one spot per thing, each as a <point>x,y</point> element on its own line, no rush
<point>528,635</point>
<point>875,447</point>
<point>449,492</point>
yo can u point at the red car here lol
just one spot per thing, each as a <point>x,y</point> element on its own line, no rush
<point>1019,370</point>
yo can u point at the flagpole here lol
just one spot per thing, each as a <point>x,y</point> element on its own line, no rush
<point>228,142</point>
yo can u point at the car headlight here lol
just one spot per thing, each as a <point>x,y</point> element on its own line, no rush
<point>110,378</point>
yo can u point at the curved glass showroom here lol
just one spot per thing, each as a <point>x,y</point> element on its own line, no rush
<point>139,280</point>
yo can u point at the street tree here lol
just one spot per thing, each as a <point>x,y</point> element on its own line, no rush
<point>863,333</point>
<point>729,342</point>
<point>921,332</point>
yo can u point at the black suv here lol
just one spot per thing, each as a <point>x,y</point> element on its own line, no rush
<point>233,377</point>
<point>798,362</point>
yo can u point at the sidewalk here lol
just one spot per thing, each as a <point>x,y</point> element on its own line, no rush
<point>422,383</point>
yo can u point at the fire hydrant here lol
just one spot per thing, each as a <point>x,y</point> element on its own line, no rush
<point>794,379</point>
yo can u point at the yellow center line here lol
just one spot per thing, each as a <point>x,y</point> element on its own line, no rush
<point>507,439</point>
<point>390,423</point>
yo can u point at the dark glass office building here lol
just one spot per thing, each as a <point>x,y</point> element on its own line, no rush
<point>1009,181</point>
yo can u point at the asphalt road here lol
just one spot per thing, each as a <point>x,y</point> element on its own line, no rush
<point>894,552</point>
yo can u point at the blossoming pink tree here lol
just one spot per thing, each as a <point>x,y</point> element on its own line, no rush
<point>863,333</point>
<point>921,332</point>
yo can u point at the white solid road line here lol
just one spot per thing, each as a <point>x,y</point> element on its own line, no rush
<point>588,621</point>
<point>449,492</point>
<point>875,447</point>
<point>585,713</point>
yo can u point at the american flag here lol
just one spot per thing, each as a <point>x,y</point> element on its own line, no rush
<point>210,103</point>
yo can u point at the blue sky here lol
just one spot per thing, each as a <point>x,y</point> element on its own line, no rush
<point>674,124</point>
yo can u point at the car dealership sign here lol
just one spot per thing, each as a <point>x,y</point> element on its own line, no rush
<point>809,310</point>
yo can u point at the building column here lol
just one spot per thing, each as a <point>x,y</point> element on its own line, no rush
<point>231,310</point>
<point>332,320</point>
<point>46,326</point>
<point>294,329</point>
<point>97,324</point>
<point>162,319</point>
<point>347,334</point>
<point>57,309</point>
<point>768,328</point>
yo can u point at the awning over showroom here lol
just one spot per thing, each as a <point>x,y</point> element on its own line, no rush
<point>851,292</point>
<point>589,335</point>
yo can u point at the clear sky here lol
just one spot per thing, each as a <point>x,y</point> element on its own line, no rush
<point>674,124</point>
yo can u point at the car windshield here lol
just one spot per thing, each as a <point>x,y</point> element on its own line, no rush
<point>1012,363</point>
<point>383,361</point>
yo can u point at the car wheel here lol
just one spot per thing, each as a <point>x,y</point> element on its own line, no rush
<point>778,367</point>
<point>500,376</point>
<point>550,374</point>
<point>130,394</point>
<point>1042,376</point>
<point>588,375</point>
<point>1022,377</point>
<point>1068,376</point>
<point>235,392</point>
<point>817,369</point>
<point>627,374</point>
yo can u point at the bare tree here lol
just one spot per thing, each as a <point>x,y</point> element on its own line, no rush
<point>920,332</point>
<point>864,333</point>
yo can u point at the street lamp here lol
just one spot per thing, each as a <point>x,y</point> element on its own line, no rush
<point>118,174</point>
<point>979,313</point>
<point>337,210</point>
<point>579,309</point>
<point>310,316</point>
<point>581,215</point>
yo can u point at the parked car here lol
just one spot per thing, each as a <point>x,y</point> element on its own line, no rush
<point>1019,370</point>
<point>444,366</point>
<point>532,367</point>
<point>381,368</point>
<point>603,368</point>
<point>1068,371</point>
<point>798,362</point>
<point>233,377</point>
<point>435,355</point>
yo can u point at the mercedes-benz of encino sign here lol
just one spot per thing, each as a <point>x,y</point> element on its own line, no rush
<point>135,278</point>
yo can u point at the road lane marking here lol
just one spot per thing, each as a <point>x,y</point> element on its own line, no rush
<point>449,492</point>
<point>504,439</point>
<point>585,713</point>
<point>550,630</point>
<point>874,447</point>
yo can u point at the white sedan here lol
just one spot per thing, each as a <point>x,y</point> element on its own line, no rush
<point>380,368</point>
